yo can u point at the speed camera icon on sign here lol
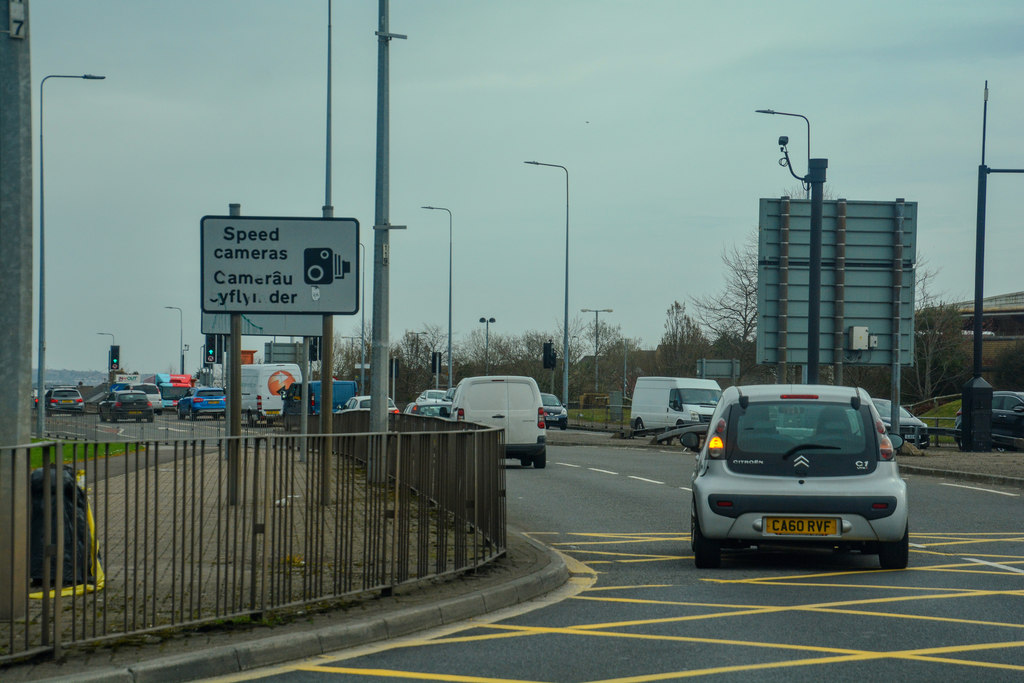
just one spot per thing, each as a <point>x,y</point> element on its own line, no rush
<point>321,266</point>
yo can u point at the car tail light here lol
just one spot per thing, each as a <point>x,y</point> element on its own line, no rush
<point>117,404</point>
<point>540,418</point>
<point>259,404</point>
<point>460,415</point>
<point>78,400</point>
<point>196,399</point>
<point>149,404</point>
<point>716,441</point>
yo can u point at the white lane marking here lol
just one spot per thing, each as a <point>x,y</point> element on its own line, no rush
<point>917,545</point>
<point>975,488</point>
<point>594,469</point>
<point>686,489</point>
<point>997,566</point>
<point>567,464</point>
<point>649,481</point>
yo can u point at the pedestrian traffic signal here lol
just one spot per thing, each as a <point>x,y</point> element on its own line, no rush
<point>115,357</point>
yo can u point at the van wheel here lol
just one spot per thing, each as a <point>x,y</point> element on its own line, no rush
<point>707,554</point>
<point>638,425</point>
<point>540,461</point>
<point>896,554</point>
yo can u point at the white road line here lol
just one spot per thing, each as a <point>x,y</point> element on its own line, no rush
<point>594,469</point>
<point>567,464</point>
<point>649,481</point>
<point>975,488</point>
<point>997,566</point>
<point>917,545</point>
<point>686,489</point>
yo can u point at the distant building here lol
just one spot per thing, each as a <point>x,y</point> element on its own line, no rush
<point>1002,323</point>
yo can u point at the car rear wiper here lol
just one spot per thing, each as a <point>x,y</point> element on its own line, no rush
<point>806,446</point>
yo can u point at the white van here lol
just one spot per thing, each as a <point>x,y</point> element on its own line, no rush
<point>508,402</point>
<point>263,389</point>
<point>669,402</point>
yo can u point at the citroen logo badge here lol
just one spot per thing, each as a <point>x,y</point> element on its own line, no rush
<point>801,460</point>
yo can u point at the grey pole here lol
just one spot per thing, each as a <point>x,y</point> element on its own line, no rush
<point>381,238</point>
<point>41,413</point>
<point>816,178</point>
<point>362,319</point>
<point>565,319</point>
<point>487,343</point>
<point>16,310</point>
<point>596,312</point>
<point>327,331</point>
<point>181,336</point>
<point>441,208</point>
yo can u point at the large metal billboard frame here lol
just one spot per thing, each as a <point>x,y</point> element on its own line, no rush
<point>868,258</point>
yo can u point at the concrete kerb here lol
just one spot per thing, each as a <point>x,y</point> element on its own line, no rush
<point>975,477</point>
<point>547,573</point>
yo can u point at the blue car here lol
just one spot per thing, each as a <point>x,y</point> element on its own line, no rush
<point>203,401</point>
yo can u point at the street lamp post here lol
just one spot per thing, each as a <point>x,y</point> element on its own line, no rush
<point>596,312</point>
<point>565,320</point>
<point>441,208</point>
<point>814,183</point>
<point>41,417</point>
<point>487,343</point>
<point>181,336</point>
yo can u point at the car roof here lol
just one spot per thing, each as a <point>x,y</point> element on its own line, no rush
<point>767,392</point>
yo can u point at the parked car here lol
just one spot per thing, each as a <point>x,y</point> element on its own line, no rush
<point>432,409</point>
<point>1007,417</point>
<point>805,465</point>
<point>912,428</point>
<point>128,404</point>
<point>554,412</point>
<point>363,403</point>
<point>203,401</point>
<point>64,400</point>
<point>506,402</point>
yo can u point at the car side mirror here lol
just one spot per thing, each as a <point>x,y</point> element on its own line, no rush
<point>691,440</point>
<point>897,441</point>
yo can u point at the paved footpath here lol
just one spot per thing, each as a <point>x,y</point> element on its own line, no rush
<point>529,570</point>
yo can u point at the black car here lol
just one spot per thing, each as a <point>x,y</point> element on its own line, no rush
<point>555,414</point>
<point>1007,416</point>
<point>126,405</point>
<point>912,428</point>
<point>64,400</point>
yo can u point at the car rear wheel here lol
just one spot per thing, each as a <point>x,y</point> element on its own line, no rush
<point>895,554</point>
<point>707,554</point>
<point>540,461</point>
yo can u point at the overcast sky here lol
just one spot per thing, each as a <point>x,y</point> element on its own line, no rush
<point>650,105</point>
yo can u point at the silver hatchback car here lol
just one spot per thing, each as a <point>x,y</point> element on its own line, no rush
<point>798,464</point>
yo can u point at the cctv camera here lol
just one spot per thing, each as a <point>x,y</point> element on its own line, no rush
<point>783,140</point>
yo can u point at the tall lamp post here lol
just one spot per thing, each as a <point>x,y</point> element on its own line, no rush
<point>181,336</point>
<point>441,208</point>
<point>596,312</point>
<point>41,417</point>
<point>565,320</point>
<point>487,343</point>
<point>814,183</point>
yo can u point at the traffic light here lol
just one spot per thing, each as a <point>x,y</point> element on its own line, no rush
<point>115,357</point>
<point>210,356</point>
<point>314,348</point>
<point>549,356</point>
<point>435,362</point>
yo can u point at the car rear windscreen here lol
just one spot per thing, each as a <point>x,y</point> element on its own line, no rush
<point>801,438</point>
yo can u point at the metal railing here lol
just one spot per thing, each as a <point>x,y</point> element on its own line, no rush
<point>142,537</point>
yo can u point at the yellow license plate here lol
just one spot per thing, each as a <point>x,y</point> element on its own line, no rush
<point>135,412</point>
<point>801,526</point>
<point>273,412</point>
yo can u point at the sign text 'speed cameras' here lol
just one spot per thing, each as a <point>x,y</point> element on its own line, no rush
<point>320,266</point>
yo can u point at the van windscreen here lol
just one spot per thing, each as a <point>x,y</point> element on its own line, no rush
<point>696,397</point>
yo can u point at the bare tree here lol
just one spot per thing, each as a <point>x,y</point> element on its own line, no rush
<point>682,344</point>
<point>731,315</point>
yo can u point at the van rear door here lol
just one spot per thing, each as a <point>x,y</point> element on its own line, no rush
<point>522,413</point>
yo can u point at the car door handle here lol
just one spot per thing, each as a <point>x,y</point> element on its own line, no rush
<point>498,416</point>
